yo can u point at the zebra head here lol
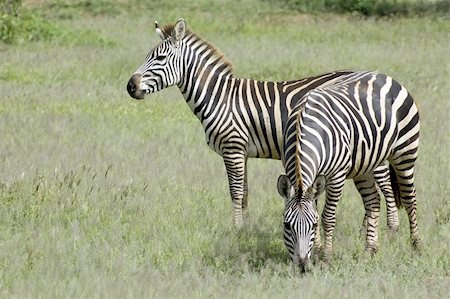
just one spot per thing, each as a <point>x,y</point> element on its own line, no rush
<point>161,67</point>
<point>300,218</point>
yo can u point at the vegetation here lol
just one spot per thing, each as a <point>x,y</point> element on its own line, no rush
<point>17,24</point>
<point>105,196</point>
<point>371,7</point>
<point>20,23</point>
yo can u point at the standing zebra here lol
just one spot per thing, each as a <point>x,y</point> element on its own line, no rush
<point>344,131</point>
<point>242,118</point>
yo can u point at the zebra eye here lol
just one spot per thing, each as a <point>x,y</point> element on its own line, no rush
<point>287,226</point>
<point>160,57</point>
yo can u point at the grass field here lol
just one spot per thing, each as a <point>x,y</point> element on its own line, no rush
<point>103,196</point>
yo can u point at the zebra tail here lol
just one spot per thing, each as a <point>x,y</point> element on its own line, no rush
<point>395,187</point>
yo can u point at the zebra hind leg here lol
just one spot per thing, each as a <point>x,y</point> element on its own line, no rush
<point>405,177</point>
<point>382,178</point>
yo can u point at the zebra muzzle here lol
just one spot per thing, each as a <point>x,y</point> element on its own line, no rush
<point>133,87</point>
<point>303,264</point>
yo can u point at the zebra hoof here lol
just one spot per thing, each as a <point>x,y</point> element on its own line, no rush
<point>325,264</point>
<point>239,223</point>
<point>326,256</point>
<point>417,244</point>
<point>393,229</point>
<point>371,250</point>
<point>316,256</point>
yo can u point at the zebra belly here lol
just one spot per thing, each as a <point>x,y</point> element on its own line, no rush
<point>231,142</point>
<point>262,152</point>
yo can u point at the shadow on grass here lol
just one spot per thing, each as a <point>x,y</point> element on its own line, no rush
<point>254,248</point>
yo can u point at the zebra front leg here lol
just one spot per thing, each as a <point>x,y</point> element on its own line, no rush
<point>235,166</point>
<point>333,194</point>
<point>317,240</point>
<point>382,179</point>
<point>371,198</point>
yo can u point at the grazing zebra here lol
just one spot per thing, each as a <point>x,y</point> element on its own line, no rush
<point>345,131</point>
<point>242,118</point>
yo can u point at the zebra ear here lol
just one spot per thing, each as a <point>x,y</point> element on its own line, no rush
<point>159,31</point>
<point>316,189</point>
<point>284,186</point>
<point>178,32</point>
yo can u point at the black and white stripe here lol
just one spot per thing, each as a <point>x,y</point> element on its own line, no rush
<point>242,118</point>
<point>343,131</point>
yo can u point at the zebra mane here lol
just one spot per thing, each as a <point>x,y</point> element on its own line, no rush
<point>167,32</point>
<point>168,29</point>
<point>298,166</point>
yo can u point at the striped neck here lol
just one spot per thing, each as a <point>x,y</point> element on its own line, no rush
<point>202,68</point>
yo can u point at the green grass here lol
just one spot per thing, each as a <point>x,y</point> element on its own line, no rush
<point>104,196</point>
